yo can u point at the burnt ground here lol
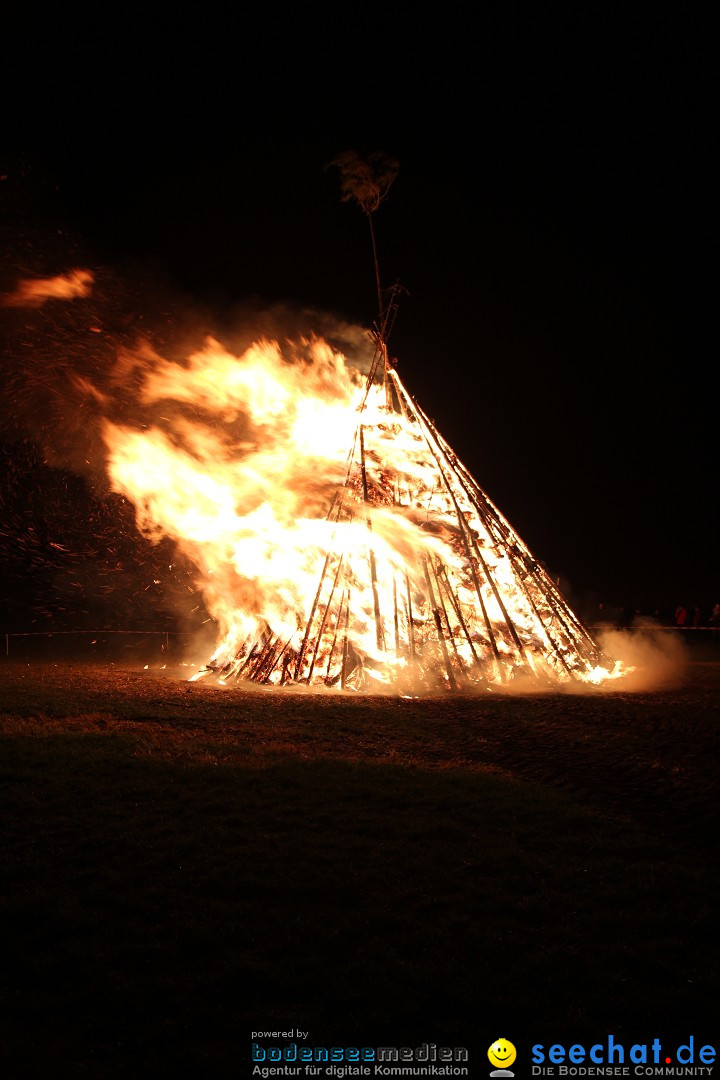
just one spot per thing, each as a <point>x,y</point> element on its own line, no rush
<point>187,863</point>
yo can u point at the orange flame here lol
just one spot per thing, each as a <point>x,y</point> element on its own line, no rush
<point>34,292</point>
<point>338,539</point>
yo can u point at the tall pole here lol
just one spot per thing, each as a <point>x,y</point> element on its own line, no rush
<point>381,306</point>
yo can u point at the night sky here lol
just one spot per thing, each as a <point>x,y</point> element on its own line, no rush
<point>548,224</point>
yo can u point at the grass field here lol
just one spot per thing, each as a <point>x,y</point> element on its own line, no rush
<point>184,864</point>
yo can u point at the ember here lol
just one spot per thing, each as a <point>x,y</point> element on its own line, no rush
<point>339,540</point>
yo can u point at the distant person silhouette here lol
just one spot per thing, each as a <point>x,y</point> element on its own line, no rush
<point>715,623</point>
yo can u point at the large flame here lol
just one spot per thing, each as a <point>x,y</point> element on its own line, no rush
<point>338,539</point>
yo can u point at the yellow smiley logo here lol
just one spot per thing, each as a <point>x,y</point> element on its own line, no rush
<point>502,1053</point>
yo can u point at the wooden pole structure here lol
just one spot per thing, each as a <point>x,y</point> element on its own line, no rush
<point>438,626</point>
<point>441,575</point>
<point>576,632</point>
<point>379,633</point>
<point>321,629</point>
<point>343,674</point>
<point>443,611</point>
<point>463,534</point>
<point>411,634</point>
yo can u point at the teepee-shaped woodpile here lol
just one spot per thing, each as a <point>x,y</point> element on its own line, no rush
<point>441,592</point>
<point>421,583</point>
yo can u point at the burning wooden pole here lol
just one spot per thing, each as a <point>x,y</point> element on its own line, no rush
<point>439,627</point>
<point>380,634</point>
<point>318,637</point>
<point>463,530</point>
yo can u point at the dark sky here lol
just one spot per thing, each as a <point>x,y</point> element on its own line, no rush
<point>549,224</point>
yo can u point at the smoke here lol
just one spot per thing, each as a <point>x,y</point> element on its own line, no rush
<point>285,322</point>
<point>654,658</point>
<point>643,658</point>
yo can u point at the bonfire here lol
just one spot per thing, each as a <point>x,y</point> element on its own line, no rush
<point>339,540</point>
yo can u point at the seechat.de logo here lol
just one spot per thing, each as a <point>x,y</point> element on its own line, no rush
<point>502,1053</point>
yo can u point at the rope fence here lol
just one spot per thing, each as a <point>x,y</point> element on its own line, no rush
<point>167,640</point>
<point>166,634</point>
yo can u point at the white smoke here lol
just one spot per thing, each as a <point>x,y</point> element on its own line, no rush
<point>654,656</point>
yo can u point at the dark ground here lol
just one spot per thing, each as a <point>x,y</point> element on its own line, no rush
<point>186,863</point>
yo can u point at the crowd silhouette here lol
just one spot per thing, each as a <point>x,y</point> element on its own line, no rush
<point>703,617</point>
